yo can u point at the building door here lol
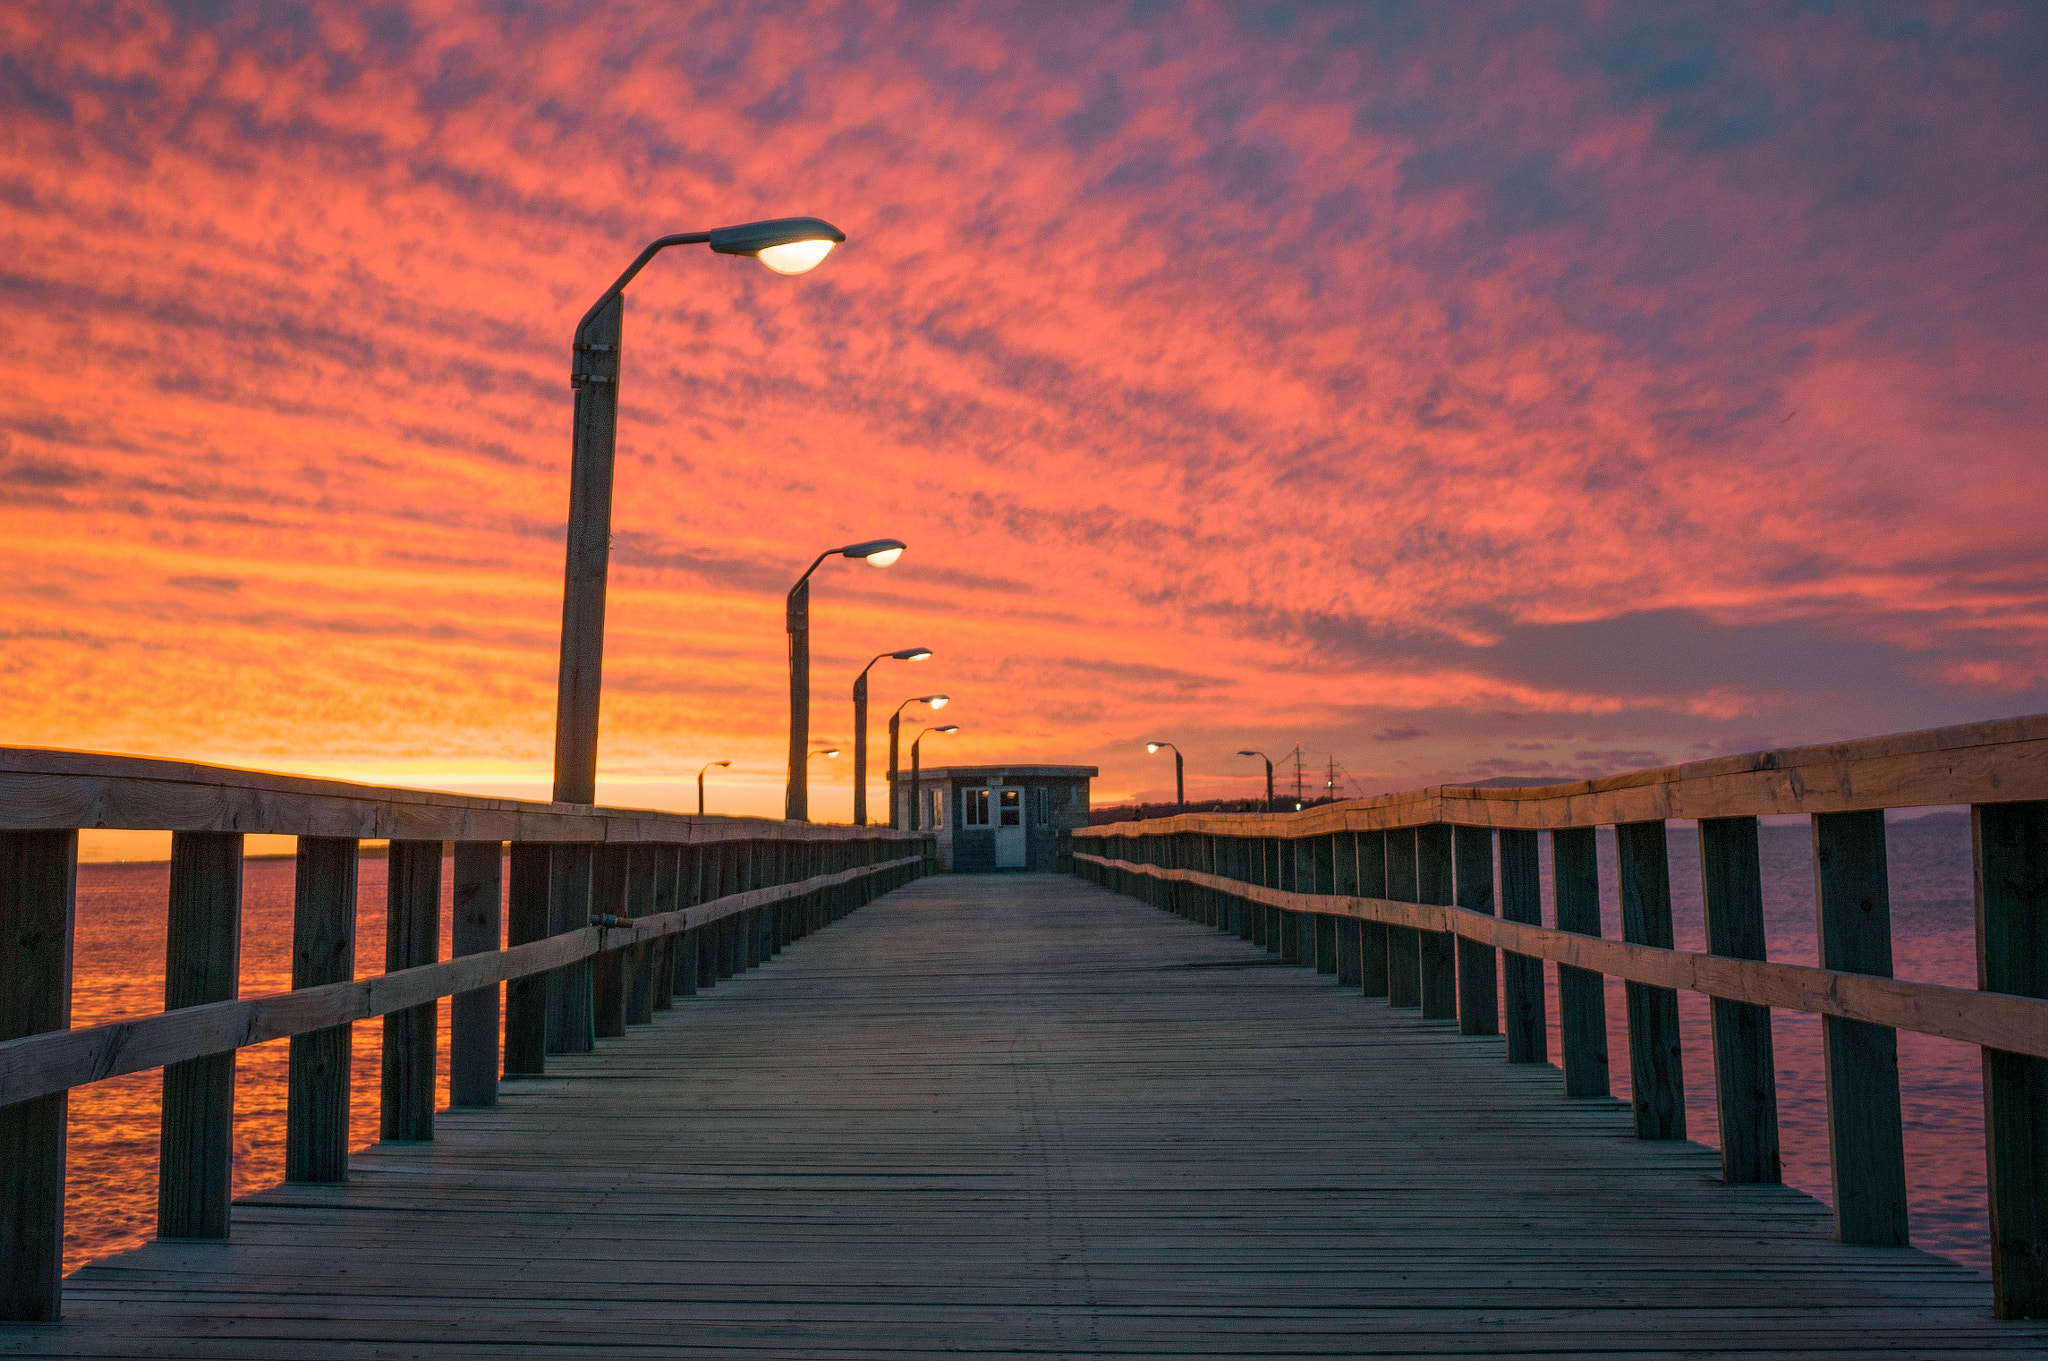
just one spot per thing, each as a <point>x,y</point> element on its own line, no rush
<point>1010,831</point>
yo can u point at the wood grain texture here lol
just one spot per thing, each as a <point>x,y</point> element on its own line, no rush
<point>1521,900</point>
<point>202,960</point>
<point>323,952</point>
<point>1866,1127</point>
<point>1581,993</point>
<point>38,897</point>
<point>1745,1064</point>
<point>478,910</point>
<point>1478,965</point>
<point>526,995</point>
<point>2011,854</point>
<point>412,940</point>
<point>991,1115</point>
<point>1656,1063</point>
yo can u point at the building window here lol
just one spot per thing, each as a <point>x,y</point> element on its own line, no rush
<point>1013,807</point>
<point>974,808</point>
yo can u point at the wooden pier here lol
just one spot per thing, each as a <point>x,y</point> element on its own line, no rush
<point>1022,1115</point>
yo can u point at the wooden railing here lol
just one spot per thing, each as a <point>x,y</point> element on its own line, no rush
<point>607,913</point>
<point>1397,896</point>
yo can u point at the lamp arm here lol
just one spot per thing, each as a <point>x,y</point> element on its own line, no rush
<point>815,563</point>
<point>654,248</point>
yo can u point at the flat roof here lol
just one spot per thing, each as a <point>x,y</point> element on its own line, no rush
<point>1004,772</point>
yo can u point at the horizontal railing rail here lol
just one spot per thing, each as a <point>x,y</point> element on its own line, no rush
<point>56,1061</point>
<point>1434,900</point>
<point>2001,762</point>
<point>2016,1024</point>
<point>586,919</point>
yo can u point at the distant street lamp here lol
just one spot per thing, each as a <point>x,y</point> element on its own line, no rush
<point>950,727</point>
<point>860,730</point>
<point>1180,793</point>
<point>831,753</point>
<point>700,783</point>
<point>895,725</point>
<point>787,245</point>
<point>1269,775</point>
<point>796,804</point>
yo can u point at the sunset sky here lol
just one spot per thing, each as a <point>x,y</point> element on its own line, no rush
<point>1465,390</point>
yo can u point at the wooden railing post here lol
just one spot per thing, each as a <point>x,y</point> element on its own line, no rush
<point>2011,855</point>
<point>668,879</point>
<point>1344,865</point>
<point>323,951</point>
<point>1433,884</point>
<point>1257,861</point>
<point>1866,1128</point>
<point>1521,900</point>
<point>526,921</point>
<point>1478,965</point>
<point>608,967</point>
<point>38,889</point>
<point>1373,949</point>
<point>570,864</point>
<point>412,937</point>
<point>1581,993</point>
<point>642,869</point>
<point>1291,857</point>
<point>1323,852</point>
<point>473,1015</point>
<point>1241,869</point>
<point>1655,1064</point>
<point>1745,1066</point>
<point>1404,945</point>
<point>689,959</point>
<point>202,946</point>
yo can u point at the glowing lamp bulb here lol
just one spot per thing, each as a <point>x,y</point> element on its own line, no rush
<point>939,701</point>
<point>794,257</point>
<point>885,557</point>
<point>1151,748</point>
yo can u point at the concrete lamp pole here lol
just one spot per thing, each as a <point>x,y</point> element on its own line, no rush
<point>796,803</point>
<point>860,728</point>
<point>950,727</point>
<point>700,783</point>
<point>1180,790</point>
<point>789,245</point>
<point>1269,775</point>
<point>895,727</point>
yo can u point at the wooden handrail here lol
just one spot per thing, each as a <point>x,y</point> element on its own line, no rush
<point>1999,762</point>
<point>39,1065</point>
<point>2018,1025</point>
<point>43,788</point>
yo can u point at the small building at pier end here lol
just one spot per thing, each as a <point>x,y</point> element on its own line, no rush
<point>990,818</point>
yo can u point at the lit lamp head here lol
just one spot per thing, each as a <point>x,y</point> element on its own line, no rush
<point>787,245</point>
<point>878,552</point>
<point>950,727</point>
<point>913,654</point>
<point>938,701</point>
<point>830,753</point>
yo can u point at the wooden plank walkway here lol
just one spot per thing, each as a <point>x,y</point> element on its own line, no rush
<point>1023,1116</point>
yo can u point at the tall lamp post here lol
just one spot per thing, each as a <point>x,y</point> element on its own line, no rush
<point>895,727</point>
<point>1269,775</point>
<point>700,783</point>
<point>1180,792</point>
<point>789,245</point>
<point>950,727</point>
<point>796,804</point>
<point>860,728</point>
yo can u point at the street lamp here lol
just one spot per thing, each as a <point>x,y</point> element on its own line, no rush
<point>860,729</point>
<point>950,727</point>
<point>1180,793</point>
<point>895,724</point>
<point>796,804</point>
<point>1269,775</point>
<point>829,752</point>
<point>700,783</point>
<point>787,245</point>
